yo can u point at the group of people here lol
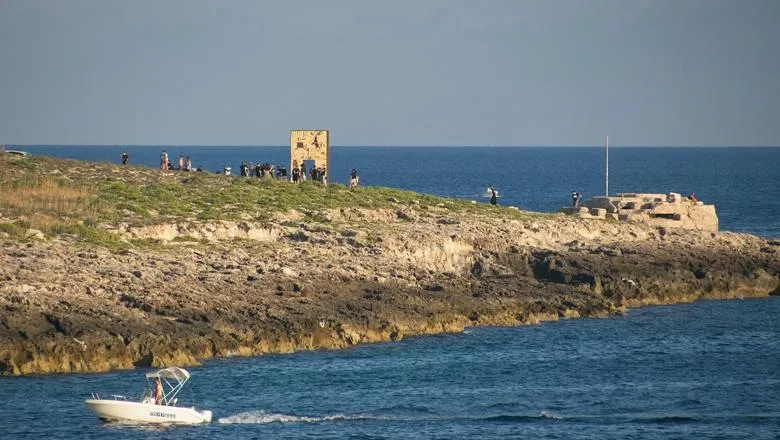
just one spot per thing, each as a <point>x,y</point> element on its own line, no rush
<point>316,174</point>
<point>299,172</point>
<point>262,170</point>
<point>185,163</point>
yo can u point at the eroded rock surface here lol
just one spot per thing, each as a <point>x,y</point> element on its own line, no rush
<point>358,276</point>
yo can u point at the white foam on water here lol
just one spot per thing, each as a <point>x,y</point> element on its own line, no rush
<point>547,415</point>
<point>260,417</point>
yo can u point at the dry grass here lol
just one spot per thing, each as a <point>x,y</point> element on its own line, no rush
<point>42,196</point>
<point>45,201</point>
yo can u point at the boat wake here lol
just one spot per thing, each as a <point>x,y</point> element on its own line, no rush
<point>260,417</point>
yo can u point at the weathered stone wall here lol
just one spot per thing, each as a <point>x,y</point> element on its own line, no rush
<point>309,145</point>
<point>664,210</point>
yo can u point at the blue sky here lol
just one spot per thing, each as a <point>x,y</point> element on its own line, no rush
<point>491,72</point>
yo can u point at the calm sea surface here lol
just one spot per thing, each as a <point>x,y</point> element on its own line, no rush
<point>708,370</point>
<point>742,182</point>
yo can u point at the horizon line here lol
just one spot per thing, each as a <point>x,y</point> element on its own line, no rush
<point>391,146</point>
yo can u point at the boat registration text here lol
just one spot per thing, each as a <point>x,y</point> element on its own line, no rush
<point>161,414</point>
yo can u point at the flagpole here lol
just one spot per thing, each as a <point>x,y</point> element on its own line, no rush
<point>606,169</point>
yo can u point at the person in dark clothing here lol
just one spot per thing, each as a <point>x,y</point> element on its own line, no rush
<point>575,199</point>
<point>493,196</point>
<point>244,169</point>
<point>296,173</point>
<point>125,157</point>
<point>354,178</point>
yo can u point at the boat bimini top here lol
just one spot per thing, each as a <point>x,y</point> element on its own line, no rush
<point>173,379</point>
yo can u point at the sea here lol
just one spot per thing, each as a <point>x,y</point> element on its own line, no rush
<point>706,370</point>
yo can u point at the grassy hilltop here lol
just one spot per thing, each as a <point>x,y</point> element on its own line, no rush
<point>85,199</point>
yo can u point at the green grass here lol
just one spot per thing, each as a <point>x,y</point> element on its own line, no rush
<point>146,196</point>
<point>13,229</point>
<point>89,234</point>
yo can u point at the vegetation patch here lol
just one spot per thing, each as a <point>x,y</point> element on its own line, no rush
<point>73,197</point>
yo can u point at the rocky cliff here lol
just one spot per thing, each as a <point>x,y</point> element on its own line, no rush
<point>177,289</point>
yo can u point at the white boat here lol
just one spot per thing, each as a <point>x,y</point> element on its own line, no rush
<point>15,153</point>
<point>149,409</point>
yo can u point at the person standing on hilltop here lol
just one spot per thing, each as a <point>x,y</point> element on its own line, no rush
<point>575,199</point>
<point>354,178</point>
<point>493,196</point>
<point>125,157</point>
<point>188,164</point>
<point>181,162</point>
<point>164,161</point>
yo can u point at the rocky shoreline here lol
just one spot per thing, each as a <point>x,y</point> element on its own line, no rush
<point>193,289</point>
<point>70,307</point>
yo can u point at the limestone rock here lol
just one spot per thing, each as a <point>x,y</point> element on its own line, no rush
<point>34,234</point>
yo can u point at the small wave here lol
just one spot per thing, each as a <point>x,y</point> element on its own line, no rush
<point>544,415</point>
<point>404,409</point>
<point>260,417</point>
<point>666,419</point>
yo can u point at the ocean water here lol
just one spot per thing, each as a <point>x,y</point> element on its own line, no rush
<point>707,370</point>
<point>742,182</point>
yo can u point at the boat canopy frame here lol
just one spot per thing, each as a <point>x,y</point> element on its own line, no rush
<point>173,379</point>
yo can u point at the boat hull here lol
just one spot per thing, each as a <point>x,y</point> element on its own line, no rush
<point>119,410</point>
